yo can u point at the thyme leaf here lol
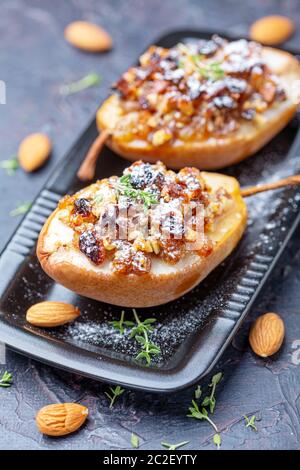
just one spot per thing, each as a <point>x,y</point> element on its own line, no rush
<point>174,446</point>
<point>11,165</point>
<point>135,442</point>
<point>98,198</point>
<point>198,392</point>
<point>125,188</point>
<point>209,70</point>
<point>115,392</point>
<point>250,422</point>
<point>6,379</point>
<point>141,334</point>
<point>217,440</point>
<point>119,324</point>
<point>88,81</point>
<point>21,209</point>
<point>211,400</point>
<point>203,414</point>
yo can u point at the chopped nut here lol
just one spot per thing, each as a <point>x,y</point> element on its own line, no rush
<point>152,121</point>
<point>161,137</point>
<point>109,246</point>
<point>143,245</point>
<point>191,235</point>
<point>155,246</point>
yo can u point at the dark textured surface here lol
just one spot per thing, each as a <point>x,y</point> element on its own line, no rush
<point>34,62</point>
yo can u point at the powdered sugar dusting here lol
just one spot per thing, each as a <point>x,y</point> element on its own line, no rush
<point>271,215</point>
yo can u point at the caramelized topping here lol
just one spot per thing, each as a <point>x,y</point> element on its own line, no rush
<point>127,260</point>
<point>82,206</point>
<point>155,228</point>
<point>92,247</point>
<point>194,90</point>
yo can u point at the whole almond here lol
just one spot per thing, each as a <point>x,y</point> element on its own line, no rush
<point>61,419</point>
<point>272,30</point>
<point>33,152</point>
<point>267,334</point>
<point>50,314</point>
<point>88,36</point>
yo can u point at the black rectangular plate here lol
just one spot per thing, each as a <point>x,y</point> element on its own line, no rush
<point>192,331</point>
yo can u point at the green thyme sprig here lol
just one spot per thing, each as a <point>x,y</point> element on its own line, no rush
<point>174,446</point>
<point>125,188</point>
<point>140,331</point>
<point>250,422</point>
<point>209,70</point>
<point>134,440</point>
<point>122,323</point>
<point>217,440</point>
<point>11,165</point>
<point>115,393</point>
<point>203,415</point>
<point>92,79</point>
<point>21,209</point>
<point>98,198</point>
<point>141,334</point>
<point>6,379</point>
<point>211,400</point>
<point>198,393</point>
<point>208,401</point>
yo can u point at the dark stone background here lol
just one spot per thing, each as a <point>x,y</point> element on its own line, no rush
<point>34,62</point>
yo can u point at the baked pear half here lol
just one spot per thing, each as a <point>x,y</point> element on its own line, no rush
<point>124,240</point>
<point>207,104</point>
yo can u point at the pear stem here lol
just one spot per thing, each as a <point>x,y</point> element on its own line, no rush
<point>87,168</point>
<point>290,181</point>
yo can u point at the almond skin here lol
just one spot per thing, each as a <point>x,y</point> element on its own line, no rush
<point>33,152</point>
<point>51,314</point>
<point>272,30</point>
<point>88,36</point>
<point>61,419</point>
<point>267,334</point>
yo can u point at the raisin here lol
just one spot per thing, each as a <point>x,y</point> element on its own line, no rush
<point>174,190</point>
<point>143,175</point>
<point>248,114</point>
<point>82,206</point>
<point>172,250</point>
<point>280,94</point>
<point>129,261</point>
<point>144,103</point>
<point>208,48</point>
<point>235,85</point>
<point>92,247</point>
<point>224,102</point>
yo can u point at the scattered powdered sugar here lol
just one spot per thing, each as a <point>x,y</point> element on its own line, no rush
<point>271,214</point>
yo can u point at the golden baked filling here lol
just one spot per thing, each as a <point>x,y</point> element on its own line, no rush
<point>132,219</point>
<point>195,90</point>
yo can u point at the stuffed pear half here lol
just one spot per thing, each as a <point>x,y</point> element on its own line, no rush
<point>151,257</point>
<point>207,104</point>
